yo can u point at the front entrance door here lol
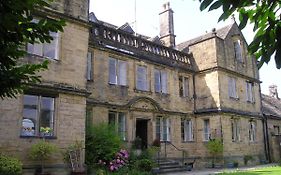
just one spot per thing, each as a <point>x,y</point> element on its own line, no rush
<point>141,131</point>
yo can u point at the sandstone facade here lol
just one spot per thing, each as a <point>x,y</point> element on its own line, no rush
<point>185,95</point>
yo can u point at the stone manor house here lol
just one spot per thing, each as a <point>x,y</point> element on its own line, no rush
<point>183,94</point>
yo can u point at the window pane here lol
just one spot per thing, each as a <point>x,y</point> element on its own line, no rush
<point>189,131</point>
<point>232,87</point>
<point>165,129</point>
<point>30,115</point>
<point>111,118</point>
<point>36,49</point>
<point>158,129</point>
<point>47,113</point>
<point>238,50</point>
<point>186,87</point>
<point>206,130</point>
<point>164,81</point>
<point>89,66</point>
<point>157,80</point>
<point>182,129</point>
<point>112,71</point>
<point>181,86</point>
<point>249,91</point>
<point>122,126</point>
<point>122,73</point>
<point>51,49</point>
<point>141,78</point>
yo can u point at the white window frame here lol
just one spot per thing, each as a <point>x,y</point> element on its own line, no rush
<point>37,108</point>
<point>141,78</point>
<point>187,130</point>
<point>119,123</point>
<point>206,130</point>
<point>184,86</point>
<point>250,91</point>
<point>163,128</point>
<point>232,88</point>
<point>41,49</point>
<point>118,76</point>
<point>235,130</point>
<point>252,131</point>
<point>238,50</point>
<point>89,66</point>
<point>161,81</point>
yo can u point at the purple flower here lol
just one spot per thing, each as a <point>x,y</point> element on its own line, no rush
<point>111,168</point>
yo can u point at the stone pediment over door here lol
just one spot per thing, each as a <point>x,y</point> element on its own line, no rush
<point>144,103</point>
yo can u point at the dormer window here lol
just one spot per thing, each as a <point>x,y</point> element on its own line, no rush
<point>238,50</point>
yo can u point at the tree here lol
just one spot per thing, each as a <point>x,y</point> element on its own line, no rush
<point>264,14</point>
<point>215,148</point>
<point>17,28</point>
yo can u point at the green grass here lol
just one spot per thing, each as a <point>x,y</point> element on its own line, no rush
<point>263,171</point>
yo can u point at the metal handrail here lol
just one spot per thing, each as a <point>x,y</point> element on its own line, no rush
<point>184,152</point>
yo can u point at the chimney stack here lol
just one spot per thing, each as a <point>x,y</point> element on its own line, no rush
<point>273,91</point>
<point>167,26</point>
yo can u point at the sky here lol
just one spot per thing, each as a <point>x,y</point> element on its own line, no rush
<point>189,22</point>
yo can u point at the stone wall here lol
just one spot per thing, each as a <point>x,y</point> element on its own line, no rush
<point>69,126</point>
<point>103,92</point>
<point>240,103</point>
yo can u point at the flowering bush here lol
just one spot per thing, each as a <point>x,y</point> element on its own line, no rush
<point>102,143</point>
<point>120,160</point>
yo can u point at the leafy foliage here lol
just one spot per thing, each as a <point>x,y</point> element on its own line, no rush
<point>42,150</point>
<point>144,165</point>
<point>10,166</point>
<point>215,147</point>
<point>247,158</point>
<point>16,29</point>
<point>102,143</point>
<point>264,14</point>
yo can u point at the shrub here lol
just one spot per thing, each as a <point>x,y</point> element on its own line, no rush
<point>102,143</point>
<point>144,165</point>
<point>247,158</point>
<point>10,166</point>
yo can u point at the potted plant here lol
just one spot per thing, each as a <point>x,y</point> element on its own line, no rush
<point>46,131</point>
<point>42,151</point>
<point>74,157</point>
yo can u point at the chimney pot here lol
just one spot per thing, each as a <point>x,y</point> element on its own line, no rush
<point>167,25</point>
<point>273,92</point>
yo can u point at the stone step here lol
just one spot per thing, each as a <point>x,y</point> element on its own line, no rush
<point>168,166</point>
<point>170,170</point>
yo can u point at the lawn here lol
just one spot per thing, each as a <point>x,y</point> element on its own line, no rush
<point>263,171</point>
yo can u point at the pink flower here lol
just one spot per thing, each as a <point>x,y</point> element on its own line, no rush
<point>111,168</point>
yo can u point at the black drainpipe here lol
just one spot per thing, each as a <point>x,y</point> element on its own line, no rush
<point>194,93</point>
<point>267,139</point>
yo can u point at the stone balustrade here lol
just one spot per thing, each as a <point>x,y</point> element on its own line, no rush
<point>124,41</point>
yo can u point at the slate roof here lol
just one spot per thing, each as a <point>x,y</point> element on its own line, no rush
<point>271,106</point>
<point>221,33</point>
